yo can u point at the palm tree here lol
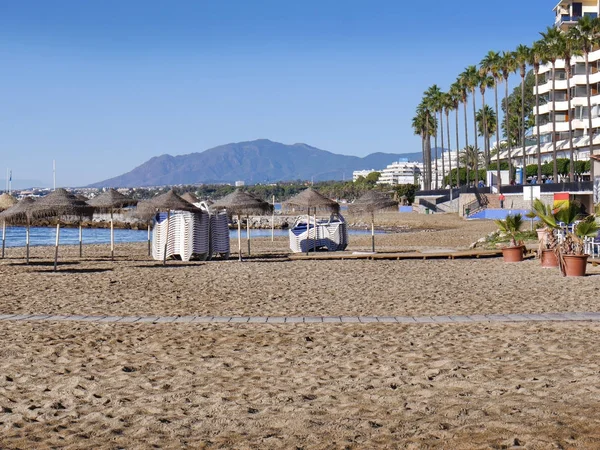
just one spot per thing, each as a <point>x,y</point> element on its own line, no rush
<point>470,157</point>
<point>522,57</point>
<point>448,105</point>
<point>432,96</point>
<point>551,38</point>
<point>486,125</point>
<point>492,64</point>
<point>585,35</point>
<point>472,81</point>
<point>536,58</point>
<point>567,45</point>
<point>421,126</point>
<point>485,82</point>
<point>508,65</point>
<point>463,86</point>
<point>456,95</point>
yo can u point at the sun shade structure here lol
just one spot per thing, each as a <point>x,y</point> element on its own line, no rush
<point>19,213</point>
<point>6,201</point>
<point>61,203</point>
<point>109,201</point>
<point>307,199</point>
<point>167,202</point>
<point>189,197</point>
<point>369,203</point>
<point>241,203</point>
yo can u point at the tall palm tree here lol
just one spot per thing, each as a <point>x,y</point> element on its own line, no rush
<point>470,156</point>
<point>491,62</point>
<point>522,57</point>
<point>551,38</point>
<point>568,50</point>
<point>456,95</point>
<point>585,35</point>
<point>472,81</point>
<point>486,126</point>
<point>448,105</point>
<point>463,84</point>
<point>421,126</point>
<point>508,65</point>
<point>485,82</point>
<point>536,58</point>
<point>433,96</point>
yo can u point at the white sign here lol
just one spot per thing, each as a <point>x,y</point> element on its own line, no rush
<point>531,192</point>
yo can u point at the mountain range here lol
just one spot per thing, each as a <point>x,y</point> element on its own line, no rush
<point>259,161</point>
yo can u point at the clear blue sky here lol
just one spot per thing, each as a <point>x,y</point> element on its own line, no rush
<point>102,86</point>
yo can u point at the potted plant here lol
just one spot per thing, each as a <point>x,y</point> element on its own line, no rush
<point>511,226</point>
<point>547,234</point>
<point>570,252</point>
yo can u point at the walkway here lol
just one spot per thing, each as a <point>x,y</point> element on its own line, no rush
<point>545,317</point>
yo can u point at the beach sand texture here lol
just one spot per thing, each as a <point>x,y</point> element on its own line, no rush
<point>490,385</point>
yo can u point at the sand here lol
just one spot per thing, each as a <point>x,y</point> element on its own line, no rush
<point>496,385</point>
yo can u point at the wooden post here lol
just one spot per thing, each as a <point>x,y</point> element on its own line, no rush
<point>3,237</point>
<point>316,232</point>
<point>112,237</point>
<point>307,231</point>
<point>27,243</point>
<point>239,237</point>
<point>80,239</point>
<point>166,238</point>
<point>248,233</point>
<point>149,244</point>
<point>56,245</point>
<point>273,221</point>
<point>372,235</point>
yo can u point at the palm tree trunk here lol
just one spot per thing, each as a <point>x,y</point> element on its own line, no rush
<point>442,141</point>
<point>426,161</point>
<point>449,149</point>
<point>466,140</point>
<point>476,168</point>
<point>537,124</point>
<point>424,175</point>
<point>435,140</point>
<point>589,105</point>
<point>498,181</point>
<point>523,123</point>
<point>506,115</point>
<point>485,132</point>
<point>554,166</point>
<point>569,118</point>
<point>457,149</point>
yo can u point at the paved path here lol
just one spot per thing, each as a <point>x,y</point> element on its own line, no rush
<point>545,317</point>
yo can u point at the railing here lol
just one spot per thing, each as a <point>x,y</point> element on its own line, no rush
<point>551,187</point>
<point>438,192</point>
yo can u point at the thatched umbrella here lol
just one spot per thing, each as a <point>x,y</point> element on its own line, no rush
<point>18,214</point>
<point>309,198</point>
<point>109,201</point>
<point>167,202</point>
<point>370,202</point>
<point>241,203</point>
<point>189,197</point>
<point>61,203</point>
<point>6,201</point>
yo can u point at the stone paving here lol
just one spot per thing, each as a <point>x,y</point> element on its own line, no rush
<point>475,318</point>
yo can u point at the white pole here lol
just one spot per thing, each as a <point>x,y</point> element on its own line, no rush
<point>248,233</point>
<point>3,237</point>
<point>239,237</point>
<point>316,232</point>
<point>27,241</point>
<point>149,245</point>
<point>112,237</point>
<point>273,221</point>
<point>166,238</point>
<point>56,245</point>
<point>80,239</point>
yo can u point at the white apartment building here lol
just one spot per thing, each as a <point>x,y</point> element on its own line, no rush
<point>361,173</point>
<point>443,168</point>
<point>401,172</point>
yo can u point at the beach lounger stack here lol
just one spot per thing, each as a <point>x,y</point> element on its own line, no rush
<point>330,235</point>
<point>219,235</point>
<point>188,236</point>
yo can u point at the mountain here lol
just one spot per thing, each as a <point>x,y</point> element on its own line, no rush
<point>259,161</point>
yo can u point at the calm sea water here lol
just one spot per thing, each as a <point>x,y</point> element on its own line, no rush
<point>15,236</point>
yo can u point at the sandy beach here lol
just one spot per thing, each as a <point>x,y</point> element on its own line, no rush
<point>488,385</point>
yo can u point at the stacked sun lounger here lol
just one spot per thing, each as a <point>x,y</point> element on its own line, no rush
<point>219,235</point>
<point>330,235</point>
<point>188,236</point>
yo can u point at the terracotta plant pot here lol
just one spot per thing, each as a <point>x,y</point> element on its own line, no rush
<point>542,234</point>
<point>513,254</point>
<point>575,265</point>
<point>549,258</point>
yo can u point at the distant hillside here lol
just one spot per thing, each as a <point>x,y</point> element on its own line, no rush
<point>259,161</point>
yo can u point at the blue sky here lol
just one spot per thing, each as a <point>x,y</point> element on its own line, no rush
<point>103,86</point>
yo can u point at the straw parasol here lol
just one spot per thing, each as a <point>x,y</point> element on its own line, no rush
<point>109,201</point>
<point>18,214</point>
<point>309,198</point>
<point>6,201</point>
<point>241,203</point>
<point>369,203</point>
<point>61,203</point>
<point>189,197</point>
<point>167,202</point>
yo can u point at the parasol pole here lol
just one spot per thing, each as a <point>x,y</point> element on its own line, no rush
<point>3,237</point>
<point>56,245</point>
<point>248,233</point>
<point>80,239</point>
<point>112,236</point>
<point>307,230</point>
<point>239,237</point>
<point>149,244</point>
<point>166,238</point>
<point>316,232</point>
<point>373,231</point>
<point>273,221</point>
<point>27,242</point>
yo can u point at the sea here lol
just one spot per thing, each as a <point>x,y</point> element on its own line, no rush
<point>38,236</point>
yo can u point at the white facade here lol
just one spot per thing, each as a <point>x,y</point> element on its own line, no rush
<point>401,173</point>
<point>443,168</point>
<point>361,173</point>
